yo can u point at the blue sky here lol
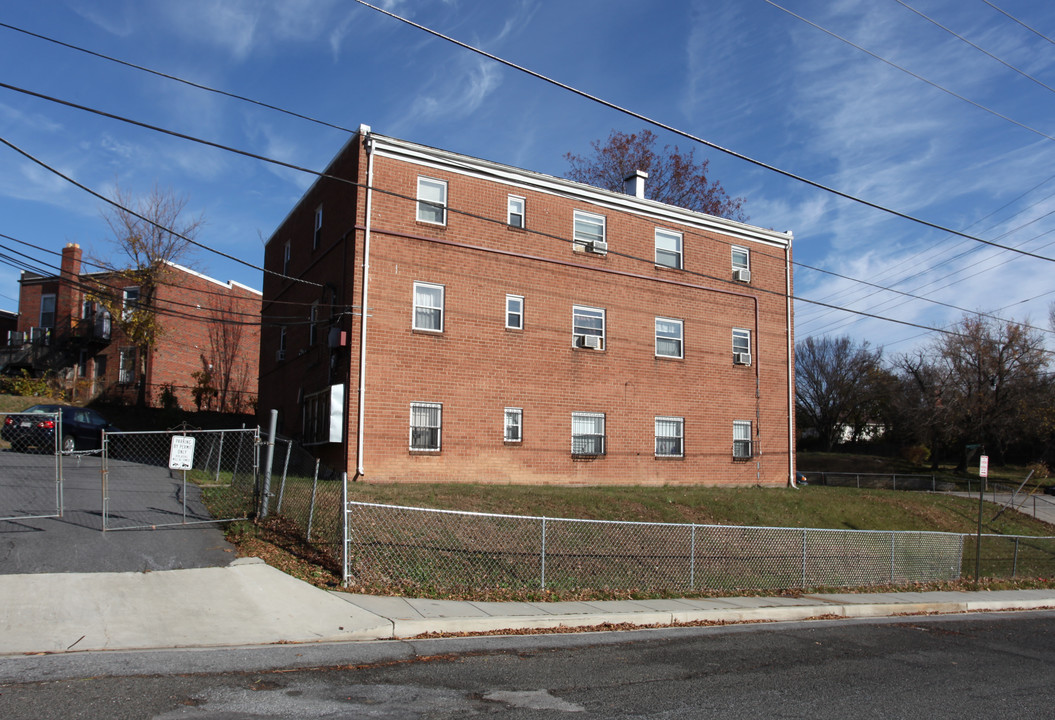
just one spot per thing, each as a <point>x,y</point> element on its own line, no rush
<point>745,75</point>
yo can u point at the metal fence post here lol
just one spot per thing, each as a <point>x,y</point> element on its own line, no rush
<point>1014,567</point>
<point>803,568</point>
<point>692,559</point>
<point>543,553</point>
<point>219,458</point>
<point>345,554</point>
<point>893,541</point>
<point>265,496</point>
<point>106,444</point>
<point>893,477</point>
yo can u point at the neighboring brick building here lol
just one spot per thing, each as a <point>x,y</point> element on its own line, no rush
<point>61,329</point>
<point>523,328</point>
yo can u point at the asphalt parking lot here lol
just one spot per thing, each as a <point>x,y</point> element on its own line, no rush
<point>138,495</point>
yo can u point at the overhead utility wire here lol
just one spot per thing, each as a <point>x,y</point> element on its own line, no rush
<point>175,78</point>
<point>694,138</point>
<point>350,182</point>
<point>1008,65</point>
<point>131,212</point>
<point>1015,19</point>
<point>922,79</point>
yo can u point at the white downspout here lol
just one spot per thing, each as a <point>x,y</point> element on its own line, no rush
<point>368,146</point>
<point>791,377</point>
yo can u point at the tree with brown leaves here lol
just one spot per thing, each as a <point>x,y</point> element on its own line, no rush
<point>674,177</point>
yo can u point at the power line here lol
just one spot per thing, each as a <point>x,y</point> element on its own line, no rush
<point>905,70</point>
<point>131,212</point>
<point>174,78</point>
<point>1006,64</point>
<point>1015,19</point>
<point>694,138</point>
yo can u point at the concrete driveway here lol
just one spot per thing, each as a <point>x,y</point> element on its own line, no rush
<point>75,542</point>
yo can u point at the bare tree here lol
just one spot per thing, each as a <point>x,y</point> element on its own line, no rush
<point>674,177</point>
<point>147,233</point>
<point>229,370</point>
<point>836,383</point>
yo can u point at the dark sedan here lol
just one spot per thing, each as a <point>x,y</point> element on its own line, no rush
<point>35,427</point>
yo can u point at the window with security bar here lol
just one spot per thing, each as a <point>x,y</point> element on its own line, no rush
<point>670,433</point>
<point>425,425</point>
<point>514,425</point>
<point>587,434</point>
<point>742,446</point>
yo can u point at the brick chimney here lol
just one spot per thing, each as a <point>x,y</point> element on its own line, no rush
<point>69,296</point>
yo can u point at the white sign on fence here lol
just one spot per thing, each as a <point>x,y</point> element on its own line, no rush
<point>983,466</point>
<point>181,454</point>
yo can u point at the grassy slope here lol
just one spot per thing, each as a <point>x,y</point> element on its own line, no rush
<point>819,507</point>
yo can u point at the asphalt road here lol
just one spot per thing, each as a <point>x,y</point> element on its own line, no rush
<point>964,667</point>
<point>139,495</point>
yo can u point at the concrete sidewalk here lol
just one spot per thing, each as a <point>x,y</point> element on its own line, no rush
<point>249,603</point>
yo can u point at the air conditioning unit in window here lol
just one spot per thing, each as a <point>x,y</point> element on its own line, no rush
<point>742,358</point>
<point>599,246</point>
<point>280,355</point>
<point>742,275</point>
<point>592,342</point>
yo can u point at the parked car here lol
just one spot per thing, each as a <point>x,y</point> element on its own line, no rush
<point>82,428</point>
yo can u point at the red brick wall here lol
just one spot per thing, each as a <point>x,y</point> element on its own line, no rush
<point>476,367</point>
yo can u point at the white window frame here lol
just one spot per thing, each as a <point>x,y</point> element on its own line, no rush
<point>129,302</point>
<point>513,425</point>
<point>126,365</point>
<point>585,239</point>
<point>737,265</point>
<point>579,330</point>
<point>437,427</point>
<point>428,308</point>
<point>52,300</point>
<point>425,204</point>
<point>679,339</point>
<point>741,341</point>
<point>317,236</point>
<point>516,208</point>
<point>743,447</point>
<point>313,319</point>
<point>666,257</point>
<point>662,423</point>
<point>514,312</point>
<point>588,443</point>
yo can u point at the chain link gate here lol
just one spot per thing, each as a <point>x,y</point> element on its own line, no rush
<point>216,480</point>
<point>30,465</point>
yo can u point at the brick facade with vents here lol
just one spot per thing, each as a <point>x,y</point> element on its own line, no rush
<point>83,348</point>
<point>476,367</point>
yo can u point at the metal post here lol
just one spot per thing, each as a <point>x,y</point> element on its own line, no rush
<point>344,530</point>
<point>978,541</point>
<point>1014,567</point>
<point>311,509</point>
<point>803,582</point>
<point>894,477</point>
<point>265,496</point>
<point>219,457</point>
<point>184,497</point>
<point>893,541</point>
<point>543,553</point>
<point>692,559</point>
<point>106,450</point>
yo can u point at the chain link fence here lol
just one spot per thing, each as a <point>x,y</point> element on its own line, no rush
<point>390,544</point>
<point>218,484</point>
<point>304,500</point>
<point>879,481</point>
<point>30,465</point>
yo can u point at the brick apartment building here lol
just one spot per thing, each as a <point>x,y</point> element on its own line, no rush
<point>62,329</point>
<point>446,318</point>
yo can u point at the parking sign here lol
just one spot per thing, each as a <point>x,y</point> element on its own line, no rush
<point>181,454</point>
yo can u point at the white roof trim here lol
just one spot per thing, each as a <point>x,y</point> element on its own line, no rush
<point>539,182</point>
